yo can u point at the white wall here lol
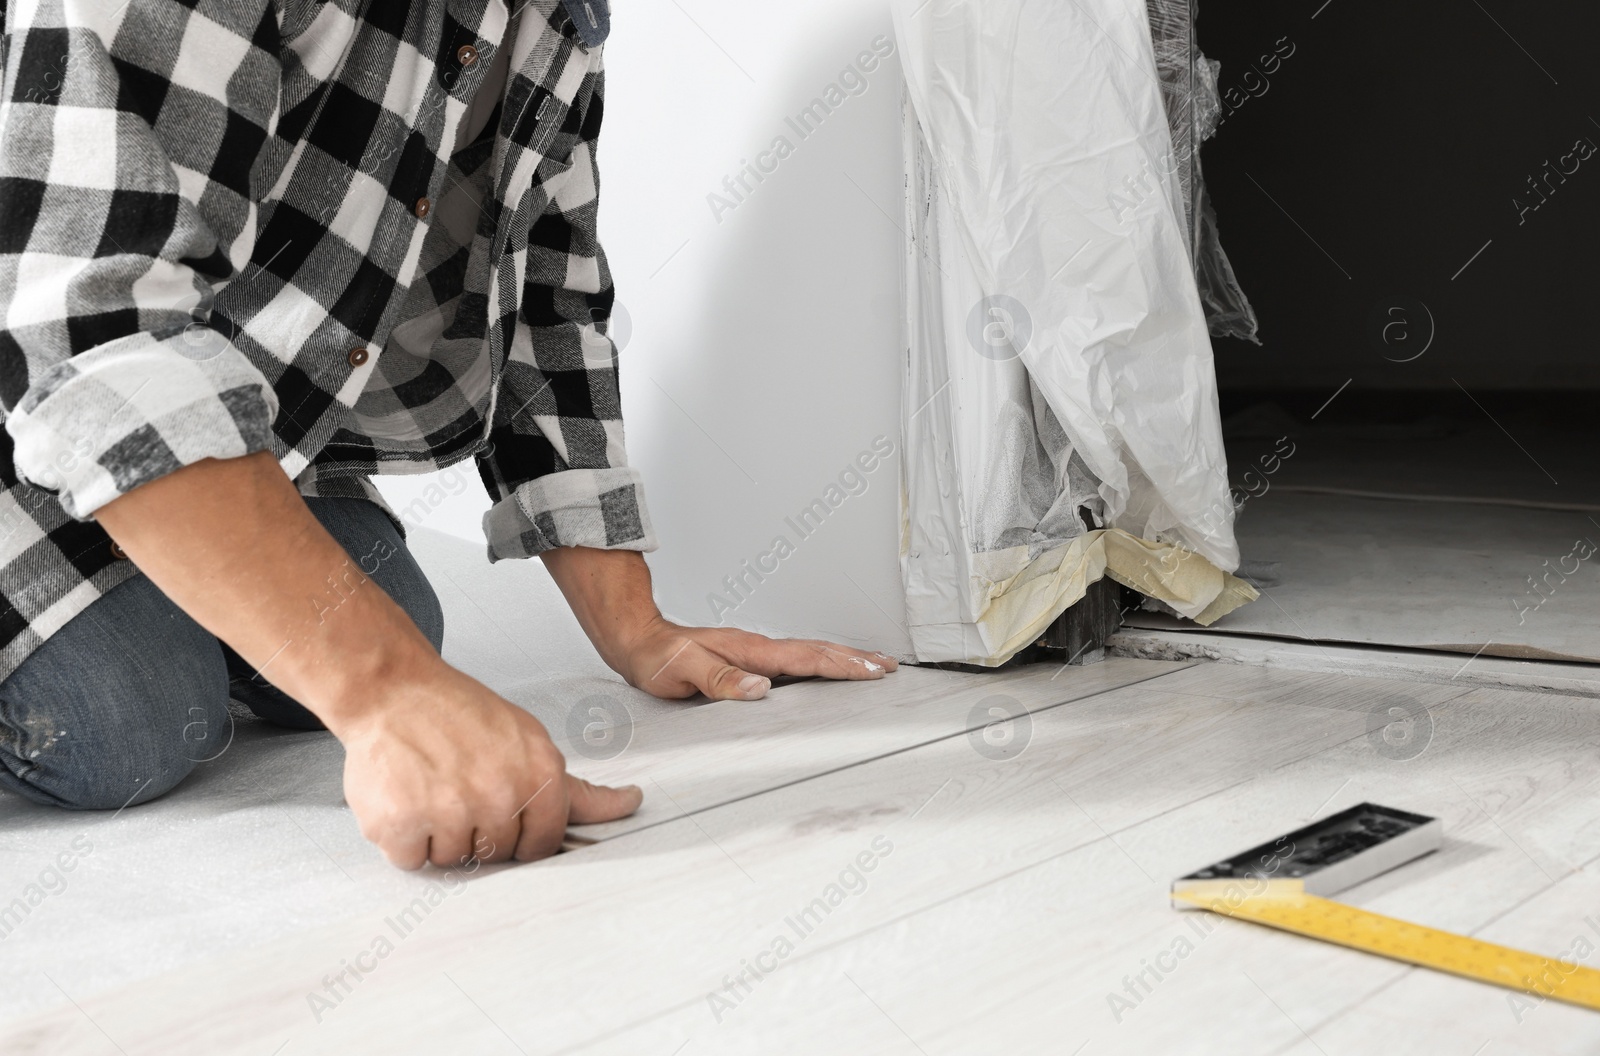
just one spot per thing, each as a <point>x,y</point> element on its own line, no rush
<point>765,353</point>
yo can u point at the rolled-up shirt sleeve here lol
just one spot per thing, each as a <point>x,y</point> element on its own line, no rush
<point>557,466</point>
<point>127,138</point>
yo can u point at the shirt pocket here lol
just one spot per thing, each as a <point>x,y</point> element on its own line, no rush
<point>591,20</point>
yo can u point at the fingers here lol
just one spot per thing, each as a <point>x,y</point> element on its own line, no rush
<point>801,656</point>
<point>590,804</point>
<point>536,831</point>
<point>738,665</point>
<point>496,841</point>
<point>408,853</point>
<point>543,820</point>
<point>451,843</point>
<point>729,664</point>
<point>694,667</point>
<point>401,836</point>
<point>723,681</point>
<point>532,834</point>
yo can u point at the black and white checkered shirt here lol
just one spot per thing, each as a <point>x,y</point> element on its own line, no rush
<point>236,225</point>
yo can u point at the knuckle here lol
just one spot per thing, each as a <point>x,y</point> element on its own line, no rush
<point>499,805</point>
<point>547,758</point>
<point>384,826</point>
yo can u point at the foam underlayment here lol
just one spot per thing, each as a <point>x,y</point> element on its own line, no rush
<point>258,844</point>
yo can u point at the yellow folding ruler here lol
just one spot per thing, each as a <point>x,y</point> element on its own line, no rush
<point>1281,884</point>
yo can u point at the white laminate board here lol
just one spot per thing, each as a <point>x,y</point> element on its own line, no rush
<point>1315,689</point>
<point>721,752</point>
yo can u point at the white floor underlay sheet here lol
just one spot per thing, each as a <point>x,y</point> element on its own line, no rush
<point>258,843</point>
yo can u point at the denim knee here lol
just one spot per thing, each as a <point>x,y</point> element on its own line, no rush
<point>376,546</point>
<point>117,707</point>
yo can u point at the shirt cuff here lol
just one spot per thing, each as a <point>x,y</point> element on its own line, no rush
<point>600,508</point>
<point>98,425</point>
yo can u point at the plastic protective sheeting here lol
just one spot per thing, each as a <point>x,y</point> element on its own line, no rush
<point>1189,93</point>
<point>1059,375</point>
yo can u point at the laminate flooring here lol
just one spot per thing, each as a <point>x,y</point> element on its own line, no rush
<point>864,868</point>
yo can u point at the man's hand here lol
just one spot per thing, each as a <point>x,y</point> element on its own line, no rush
<point>445,770</point>
<point>728,664</point>
<point>609,590</point>
<point>438,767</point>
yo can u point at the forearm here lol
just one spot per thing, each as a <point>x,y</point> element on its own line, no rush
<point>609,591</point>
<point>233,544</point>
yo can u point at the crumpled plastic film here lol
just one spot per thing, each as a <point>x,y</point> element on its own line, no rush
<point>1194,107</point>
<point>1059,374</point>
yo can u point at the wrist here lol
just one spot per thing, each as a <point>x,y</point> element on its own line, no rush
<point>628,638</point>
<point>620,636</point>
<point>358,666</point>
<point>609,591</point>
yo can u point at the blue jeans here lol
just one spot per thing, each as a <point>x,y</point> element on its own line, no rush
<point>120,705</point>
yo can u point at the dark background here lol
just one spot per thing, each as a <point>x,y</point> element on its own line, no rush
<point>1397,136</point>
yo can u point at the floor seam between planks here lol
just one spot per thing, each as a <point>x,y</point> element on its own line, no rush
<point>1393,662</point>
<point>887,755</point>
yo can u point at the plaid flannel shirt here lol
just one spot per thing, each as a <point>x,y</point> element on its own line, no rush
<point>236,225</point>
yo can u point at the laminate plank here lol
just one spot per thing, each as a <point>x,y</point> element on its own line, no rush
<point>725,751</point>
<point>1316,689</point>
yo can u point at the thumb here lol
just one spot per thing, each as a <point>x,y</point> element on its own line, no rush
<point>719,680</point>
<point>726,682</point>
<point>588,804</point>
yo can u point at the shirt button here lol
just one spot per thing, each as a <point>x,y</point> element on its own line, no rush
<point>424,207</point>
<point>466,54</point>
<point>117,551</point>
<point>357,356</point>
